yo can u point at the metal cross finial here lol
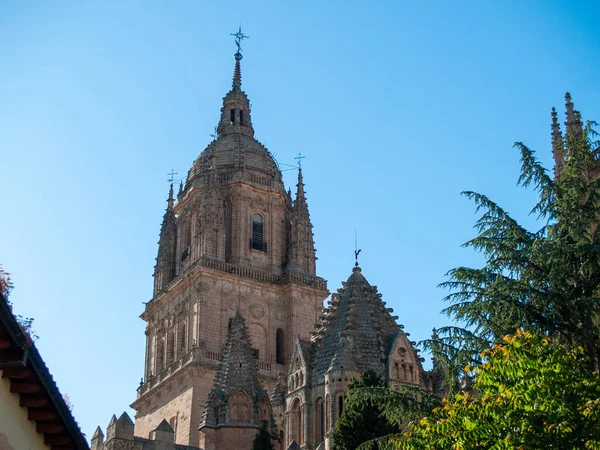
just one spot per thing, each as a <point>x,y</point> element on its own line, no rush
<point>171,174</point>
<point>299,158</point>
<point>356,249</point>
<point>239,37</point>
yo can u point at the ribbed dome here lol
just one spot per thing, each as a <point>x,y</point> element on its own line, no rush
<point>235,152</point>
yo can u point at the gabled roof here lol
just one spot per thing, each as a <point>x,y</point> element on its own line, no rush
<point>356,330</point>
<point>22,364</point>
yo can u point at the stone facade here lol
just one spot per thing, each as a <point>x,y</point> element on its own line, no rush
<point>232,240</point>
<point>235,302</point>
<point>356,333</point>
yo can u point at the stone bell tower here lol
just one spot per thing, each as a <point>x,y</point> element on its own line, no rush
<point>232,240</point>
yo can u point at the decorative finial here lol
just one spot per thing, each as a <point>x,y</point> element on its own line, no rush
<point>171,175</point>
<point>171,202</point>
<point>299,158</point>
<point>356,249</point>
<point>239,37</point>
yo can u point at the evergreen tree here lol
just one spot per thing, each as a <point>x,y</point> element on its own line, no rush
<point>361,420</point>
<point>367,417</point>
<point>545,281</point>
<point>262,440</point>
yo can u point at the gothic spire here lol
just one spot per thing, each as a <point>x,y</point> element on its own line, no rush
<point>238,367</point>
<point>235,113</point>
<point>300,203</point>
<point>302,247</point>
<point>558,149</point>
<point>236,86</point>
<point>170,201</point>
<point>573,123</point>
<point>164,271</point>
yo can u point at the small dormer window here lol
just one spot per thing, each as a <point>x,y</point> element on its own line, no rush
<point>232,117</point>
<point>241,118</point>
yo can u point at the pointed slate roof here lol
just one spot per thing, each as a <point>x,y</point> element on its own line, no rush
<point>356,330</point>
<point>164,426</point>
<point>279,391</point>
<point>238,367</point>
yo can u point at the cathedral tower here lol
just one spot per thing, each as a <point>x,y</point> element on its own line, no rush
<point>233,241</point>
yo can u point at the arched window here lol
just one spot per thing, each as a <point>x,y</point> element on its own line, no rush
<point>170,345</point>
<point>186,241</point>
<point>340,405</point>
<point>160,354</point>
<point>240,408</point>
<point>241,117</point>
<point>327,412</point>
<point>279,347</point>
<point>319,422</point>
<point>296,422</point>
<point>257,240</point>
<point>181,335</point>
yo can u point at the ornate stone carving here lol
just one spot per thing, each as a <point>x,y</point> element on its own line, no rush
<point>257,311</point>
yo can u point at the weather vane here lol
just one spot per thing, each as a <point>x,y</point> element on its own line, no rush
<point>239,37</point>
<point>171,174</point>
<point>356,249</point>
<point>299,158</point>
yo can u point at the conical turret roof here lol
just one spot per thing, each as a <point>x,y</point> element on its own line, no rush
<point>238,367</point>
<point>356,331</point>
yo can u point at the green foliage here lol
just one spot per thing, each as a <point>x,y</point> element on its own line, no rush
<point>5,283</point>
<point>262,440</point>
<point>545,281</point>
<point>372,411</point>
<point>361,419</point>
<point>530,393</point>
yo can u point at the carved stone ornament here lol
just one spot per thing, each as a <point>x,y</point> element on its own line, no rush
<point>280,313</point>
<point>257,311</point>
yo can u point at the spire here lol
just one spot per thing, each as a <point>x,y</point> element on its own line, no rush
<point>238,367</point>
<point>558,150</point>
<point>302,248</point>
<point>235,113</point>
<point>164,270</point>
<point>573,123</point>
<point>356,333</point>
<point>237,385</point>
<point>170,201</point>
<point>236,86</point>
<point>300,203</point>
<point>279,391</point>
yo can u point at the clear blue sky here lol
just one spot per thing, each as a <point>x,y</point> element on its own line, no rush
<point>397,107</point>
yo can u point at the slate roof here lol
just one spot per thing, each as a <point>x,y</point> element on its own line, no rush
<point>238,366</point>
<point>279,391</point>
<point>356,330</point>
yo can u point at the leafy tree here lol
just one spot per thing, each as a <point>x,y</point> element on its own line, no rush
<point>529,393</point>
<point>546,281</point>
<point>262,440</point>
